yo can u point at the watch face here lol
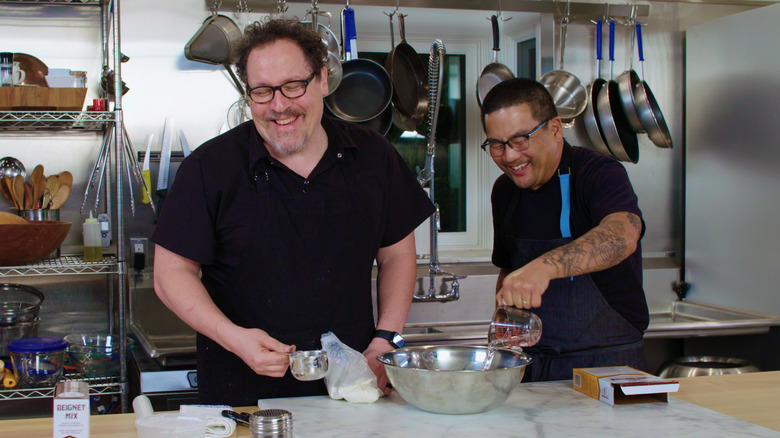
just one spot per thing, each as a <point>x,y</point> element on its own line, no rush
<point>398,340</point>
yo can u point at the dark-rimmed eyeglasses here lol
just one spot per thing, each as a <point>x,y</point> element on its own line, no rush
<point>517,143</point>
<point>290,90</point>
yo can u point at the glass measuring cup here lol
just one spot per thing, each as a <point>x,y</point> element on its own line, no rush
<point>514,328</point>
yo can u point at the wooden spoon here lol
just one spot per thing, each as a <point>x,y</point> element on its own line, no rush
<point>38,183</point>
<point>39,188</point>
<point>66,179</point>
<point>59,198</point>
<point>52,185</point>
<point>8,218</point>
<point>5,189</point>
<point>18,191</point>
<point>28,196</point>
<point>8,184</point>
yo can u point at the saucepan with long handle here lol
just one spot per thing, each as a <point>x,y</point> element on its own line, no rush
<point>569,94</point>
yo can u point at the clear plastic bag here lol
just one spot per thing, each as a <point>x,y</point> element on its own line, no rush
<point>349,376</point>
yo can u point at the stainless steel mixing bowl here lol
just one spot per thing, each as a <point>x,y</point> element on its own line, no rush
<point>693,366</point>
<point>452,379</point>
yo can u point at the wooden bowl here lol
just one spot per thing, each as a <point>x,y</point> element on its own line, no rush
<point>30,242</point>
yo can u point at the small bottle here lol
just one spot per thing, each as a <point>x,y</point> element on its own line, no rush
<point>93,249</point>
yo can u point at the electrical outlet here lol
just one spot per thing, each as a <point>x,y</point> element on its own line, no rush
<point>105,230</point>
<point>139,248</point>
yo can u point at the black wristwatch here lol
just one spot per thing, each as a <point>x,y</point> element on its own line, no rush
<point>395,339</point>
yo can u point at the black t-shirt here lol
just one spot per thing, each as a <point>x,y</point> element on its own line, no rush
<point>205,218</point>
<point>600,186</point>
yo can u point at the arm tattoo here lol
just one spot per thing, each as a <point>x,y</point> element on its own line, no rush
<point>602,247</point>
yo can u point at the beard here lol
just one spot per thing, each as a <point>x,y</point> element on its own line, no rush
<point>287,143</point>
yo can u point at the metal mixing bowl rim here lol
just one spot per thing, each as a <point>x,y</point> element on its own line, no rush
<point>527,359</point>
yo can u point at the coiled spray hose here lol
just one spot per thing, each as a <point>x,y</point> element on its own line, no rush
<point>435,76</point>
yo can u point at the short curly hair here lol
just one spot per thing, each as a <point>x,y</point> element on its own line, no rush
<point>261,33</point>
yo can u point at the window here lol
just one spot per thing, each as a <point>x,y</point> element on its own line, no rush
<point>526,59</point>
<point>449,165</point>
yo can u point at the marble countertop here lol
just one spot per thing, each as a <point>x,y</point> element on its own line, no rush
<point>545,409</point>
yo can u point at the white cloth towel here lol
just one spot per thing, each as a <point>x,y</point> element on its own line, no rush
<point>217,426</point>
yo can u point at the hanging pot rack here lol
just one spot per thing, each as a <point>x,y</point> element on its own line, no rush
<point>579,11</point>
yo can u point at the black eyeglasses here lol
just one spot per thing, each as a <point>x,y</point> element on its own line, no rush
<point>517,143</point>
<point>290,90</point>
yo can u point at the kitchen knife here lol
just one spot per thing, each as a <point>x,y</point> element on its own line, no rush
<point>185,147</point>
<point>165,163</point>
<point>147,172</point>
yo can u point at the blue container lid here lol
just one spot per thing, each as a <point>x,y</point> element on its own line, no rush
<point>37,345</point>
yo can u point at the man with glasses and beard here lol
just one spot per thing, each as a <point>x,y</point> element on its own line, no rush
<point>566,237</point>
<point>270,231</point>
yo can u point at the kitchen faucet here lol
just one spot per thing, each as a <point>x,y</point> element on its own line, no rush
<point>435,73</point>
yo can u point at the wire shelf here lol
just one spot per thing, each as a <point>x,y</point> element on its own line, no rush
<point>97,386</point>
<point>69,264</point>
<point>54,2</point>
<point>54,120</point>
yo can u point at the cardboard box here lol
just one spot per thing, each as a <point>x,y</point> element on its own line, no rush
<point>622,385</point>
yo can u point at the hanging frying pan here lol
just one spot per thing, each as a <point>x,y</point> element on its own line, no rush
<point>381,123</point>
<point>495,72</point>
<point>410,82</point>
<point>621,138</point>
<point>649,112</point>
<point>627,82</point>
<point>365,90</point>
<point>591,119</point>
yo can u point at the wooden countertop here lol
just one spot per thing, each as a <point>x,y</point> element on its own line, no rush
<point>748,397</point>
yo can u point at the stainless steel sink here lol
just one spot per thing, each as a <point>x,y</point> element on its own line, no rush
<point>688,319</point>
<point>681,319</point>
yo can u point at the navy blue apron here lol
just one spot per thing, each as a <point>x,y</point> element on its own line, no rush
<point>579,328</point>
<point>312,274</point>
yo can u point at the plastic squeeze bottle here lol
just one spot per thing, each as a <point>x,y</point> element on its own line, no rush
<point>93,250</point>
